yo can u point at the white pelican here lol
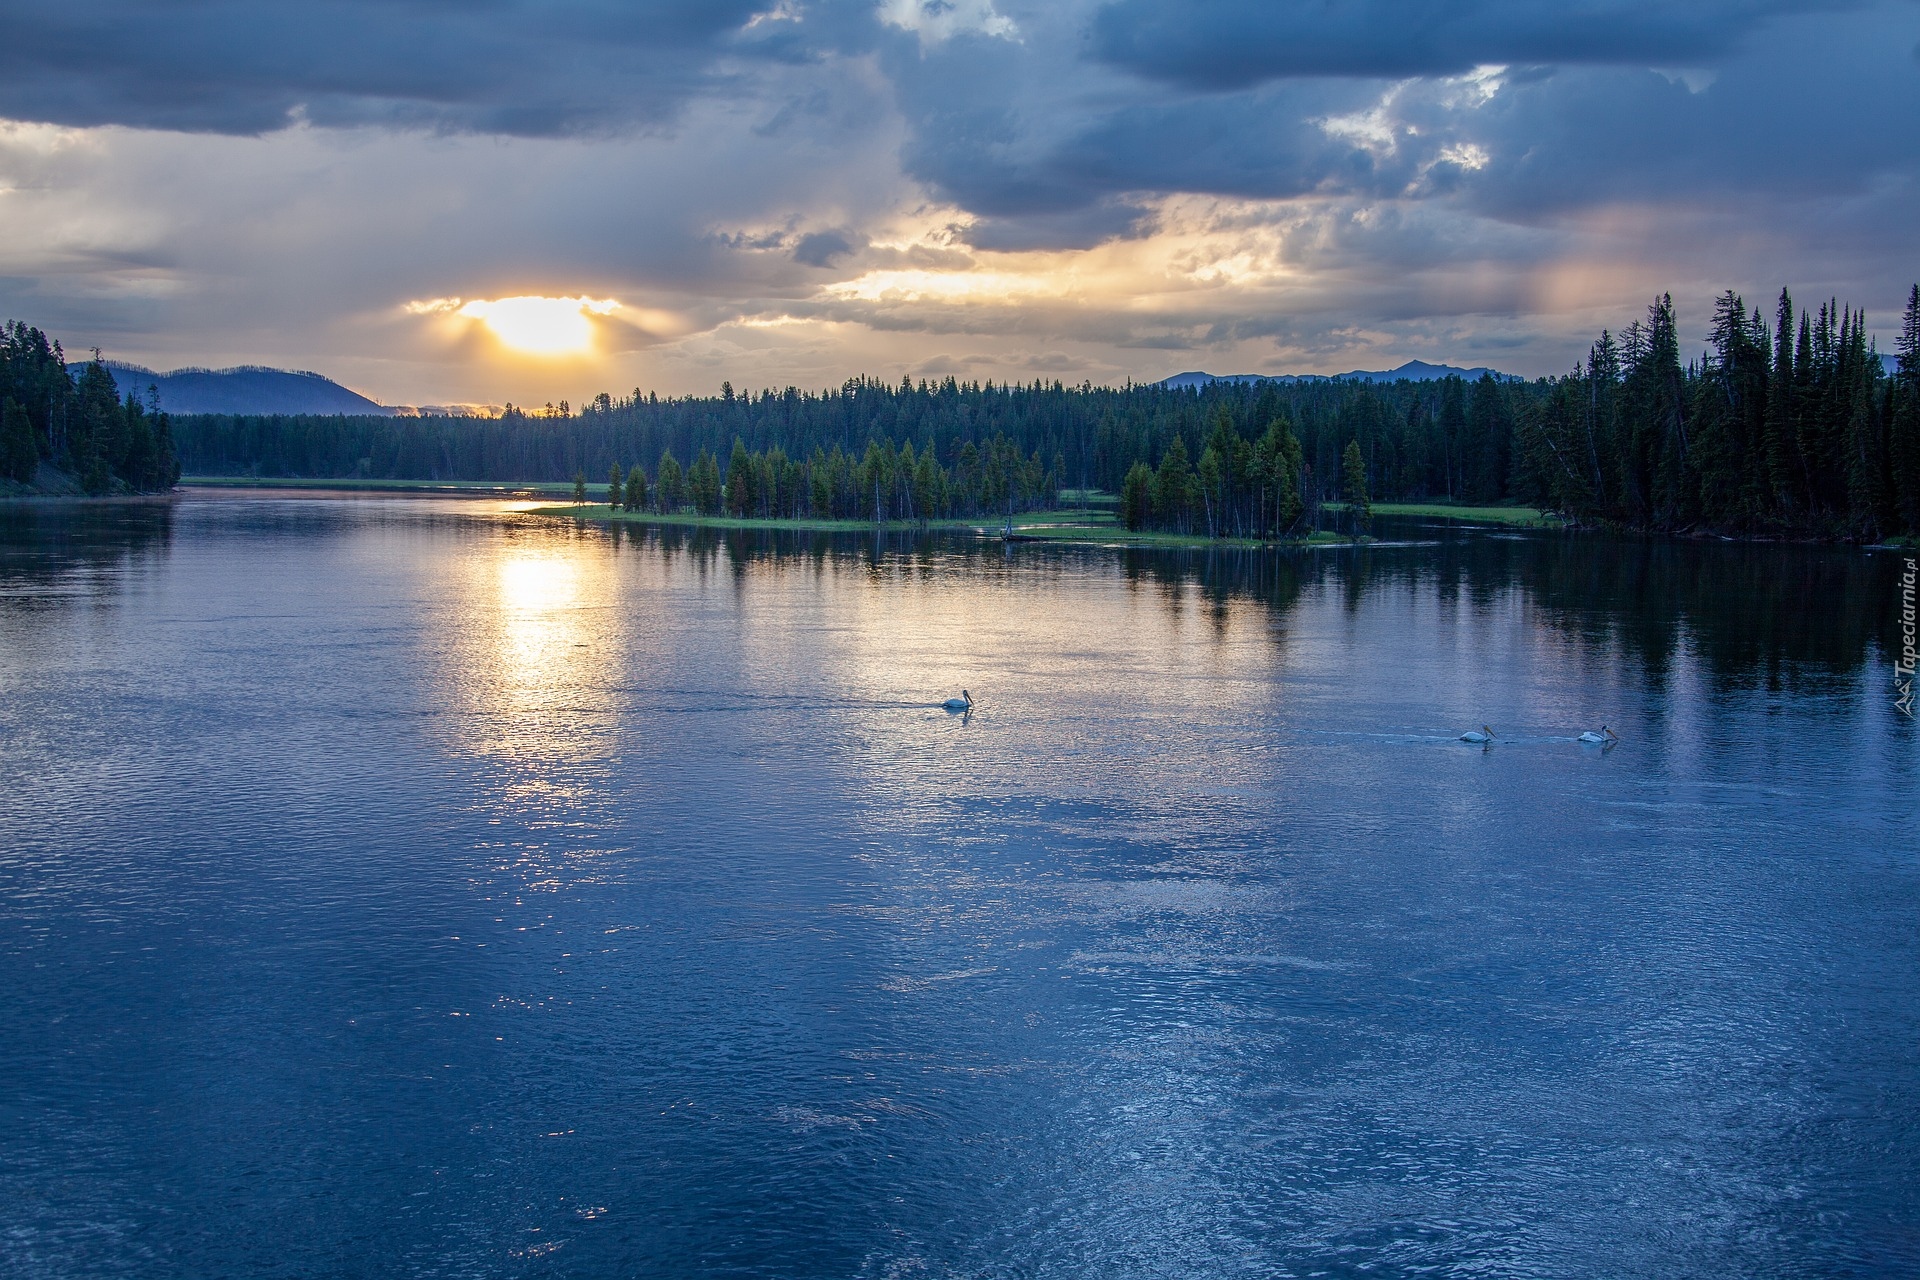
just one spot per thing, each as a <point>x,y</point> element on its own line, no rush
<point>1606,737</point>
<point>1482,734</point>
<point>962,703</point>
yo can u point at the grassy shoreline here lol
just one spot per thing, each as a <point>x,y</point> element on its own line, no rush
<point>462,488</point>
<point>1521,517</point>
<point>1091,519</point>
<point>1091,526</point>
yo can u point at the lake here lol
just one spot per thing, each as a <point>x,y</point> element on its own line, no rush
<point>418,887</point>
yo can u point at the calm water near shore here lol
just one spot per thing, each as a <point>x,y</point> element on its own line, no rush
<point>398,886</point>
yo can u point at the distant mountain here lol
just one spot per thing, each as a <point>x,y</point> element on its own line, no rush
<point>1412,370</point>
<point>247,389</point>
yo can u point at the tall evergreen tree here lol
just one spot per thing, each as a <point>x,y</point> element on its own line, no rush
<point>1453,430</point>
<point>1785,475</point>
<point>1904,418</point>
<point>1354,487</point>
<point>670,484</point>
<point>1136,496</point>
<point>19,455</point>
<point>1173,487</point>
<point>740,480</point>
<point>703,483</point>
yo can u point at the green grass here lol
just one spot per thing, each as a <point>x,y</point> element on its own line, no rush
<point>502,488</point>
<point>684,519</point>
<point>1090,516</point>
<point>1525,517</point>
<point>1093,524</point>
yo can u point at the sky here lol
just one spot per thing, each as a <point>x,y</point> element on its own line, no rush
<point>491,201</point>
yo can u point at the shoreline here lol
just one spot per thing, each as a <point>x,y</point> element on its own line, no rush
<point>1089,525</point>
<point>1517,517</point>
<point>1057,526</point>
<point>452,488</point>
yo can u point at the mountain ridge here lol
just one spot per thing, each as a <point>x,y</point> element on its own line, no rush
<point>246,388</point>
<point>1412,371</point>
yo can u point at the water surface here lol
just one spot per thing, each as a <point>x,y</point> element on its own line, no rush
<point>416,887</point>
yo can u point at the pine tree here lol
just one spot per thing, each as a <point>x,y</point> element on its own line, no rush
<point>1653,462</point>
<point>19,455</point>
<point>616,488</point>
<point>1291,480</point>
<point>1784,474</point>
<point>669,483</point>
<point>1904,418</point>
<point>1729,397</point>
<point>739,483</point>
<point>636,494</point>
<point>1354,487</point>
<point>1210,477</point>
<point>1600,421</point>
<point>1173,488</point>
<point>1870,499</point>
<point>95,419</point>
<point>1136,496</point>
<point>1488,453</point>
<point>579,488</point>
<point>1453,430</point>
<point>703,483</point>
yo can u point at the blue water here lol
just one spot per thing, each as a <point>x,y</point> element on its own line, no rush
<point>420,888</point>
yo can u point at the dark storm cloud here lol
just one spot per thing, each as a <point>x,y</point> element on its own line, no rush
<point>1047,152</point>
<point>822,248</point>
<point>1818,110</point>
<point>1776,98</point>
<point>236,66</point>
<point>1091,224</point>
<point>1038,136</point>
<point>1232,43</point>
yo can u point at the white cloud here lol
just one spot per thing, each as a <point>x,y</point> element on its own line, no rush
<point>938,20</point>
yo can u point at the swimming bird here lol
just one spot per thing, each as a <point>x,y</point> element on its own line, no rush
<point>962,703</point>
<point>1606,737</point>
<point>1482,734</point>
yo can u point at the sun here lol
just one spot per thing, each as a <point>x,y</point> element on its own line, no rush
<point>541,326</point>
<point>531,324</point>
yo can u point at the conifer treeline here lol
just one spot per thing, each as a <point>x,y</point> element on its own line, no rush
<point>883,483</point>
<point>1788,425</point>
<point>78,424</point>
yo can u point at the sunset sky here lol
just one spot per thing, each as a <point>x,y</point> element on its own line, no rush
<point>439,203</point>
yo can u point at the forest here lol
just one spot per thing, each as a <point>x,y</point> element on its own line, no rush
<point>74,419</point>
<point>1787,425</point>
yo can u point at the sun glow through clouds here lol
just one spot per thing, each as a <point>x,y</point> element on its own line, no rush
<point>914,285</point>
<point>530,324</point>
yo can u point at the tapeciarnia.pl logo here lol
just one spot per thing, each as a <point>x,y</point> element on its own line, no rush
<point>1903,665</point>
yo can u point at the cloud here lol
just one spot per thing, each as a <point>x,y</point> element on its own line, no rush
<point>1096,222</point>
<point>822,248</point>
<point>1216,44</point>
<point>937,20</point>
<point>815,188</point>
<point>513,67</point>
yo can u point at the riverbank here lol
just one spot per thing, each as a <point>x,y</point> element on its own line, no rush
<point>458,488</point>
<point>1520,517</point>
<point>50,484</point>
<point>1094,525</point>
